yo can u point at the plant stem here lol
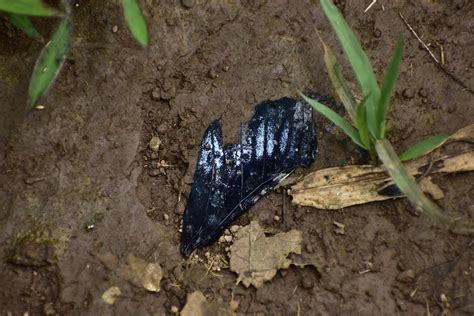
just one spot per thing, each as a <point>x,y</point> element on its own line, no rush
<point>407,184</point>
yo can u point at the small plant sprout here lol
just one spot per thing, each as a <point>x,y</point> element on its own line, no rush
<point>53,54</point>
<point>369,117</point>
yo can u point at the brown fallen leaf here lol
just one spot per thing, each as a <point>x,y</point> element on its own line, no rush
<point>256,258</point>
<point>339,187</point>
<point>198,305</point>
<point>137,271</point>
<point>427,185</point>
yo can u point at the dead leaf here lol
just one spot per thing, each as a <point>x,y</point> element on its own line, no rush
<point>256,258</point>
<point>427,185</point>
<point>137,271</point>
<point>111,294</point>
<point>197,305</point>
<point>339,187</point>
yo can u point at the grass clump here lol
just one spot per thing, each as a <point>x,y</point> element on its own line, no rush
<point>369,117</point>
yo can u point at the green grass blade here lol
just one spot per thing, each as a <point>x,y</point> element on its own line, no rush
<point>361,123</point>
<point>407,184</point>
<point>339,82</point>
<point>424,147</point>
<point>28,7</point>
<point>22,22</point>
<point>336,119</point>
<point>49,62</point>
<point>136,21</point>
<point>359,62</point>
<point>388,87</point>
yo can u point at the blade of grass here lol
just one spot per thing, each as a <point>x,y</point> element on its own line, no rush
<point>407,184</point>
<point>28,7</point>
<point>22,22</point>
<point>387,88</point>
<point>336,119</point>
<point>136,21</point>
<point>423,147</point>
<point>361,124</point>
<point>339,82</point>
<point>358,60</point>
<point>49,62</point>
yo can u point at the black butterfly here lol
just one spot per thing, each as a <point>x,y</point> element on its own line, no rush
<point>230,178</point>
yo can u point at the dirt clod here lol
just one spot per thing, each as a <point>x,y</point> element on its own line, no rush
<point>156,94</point>
<point>423,93</point>
<point>307,283</point>
<point>406,276</point>
<point>188,3</point>
<point>408,93</point>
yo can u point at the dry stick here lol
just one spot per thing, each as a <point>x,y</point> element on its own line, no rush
<point>446,71</point>
<point>370,6</point>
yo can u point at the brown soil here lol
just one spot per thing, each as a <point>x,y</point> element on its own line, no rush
<point>78,180</point>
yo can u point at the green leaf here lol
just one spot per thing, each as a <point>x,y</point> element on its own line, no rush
<point>407,184</point>
<point>358,60</point>
<point>339,82</point>
<point>23,23</point>
<point>361,123</point>
<point>28,7</point>
<point>136,21</point>
<point>423,147</point>
<point>336,119</point>
<point>388,87</point>
<point>49,62</point>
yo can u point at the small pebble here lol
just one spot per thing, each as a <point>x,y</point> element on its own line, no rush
<point>234,228</point>
<point>228,238</point>
<point>307,283</point>
<point>225,67</point>
<point>188,4</point>
<point>221,239</point>
<point>166,217</point>
<point>156,94</point>
<point>170,21</point>
<point>162,128</point>
<point>227,232</point>
<point>114,29</point>
<point>408,93</point>
<point>423,93</point>
<point>174,309</point>
<point>154,173</point>
<point>309,248</point>
<point>154,143</point>
<point>406,276</point>
<point>377,33</point>
<point>213,74</point>
<point>276,218</point>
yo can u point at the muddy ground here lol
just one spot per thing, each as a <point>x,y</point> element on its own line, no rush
<point>78,181</point>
